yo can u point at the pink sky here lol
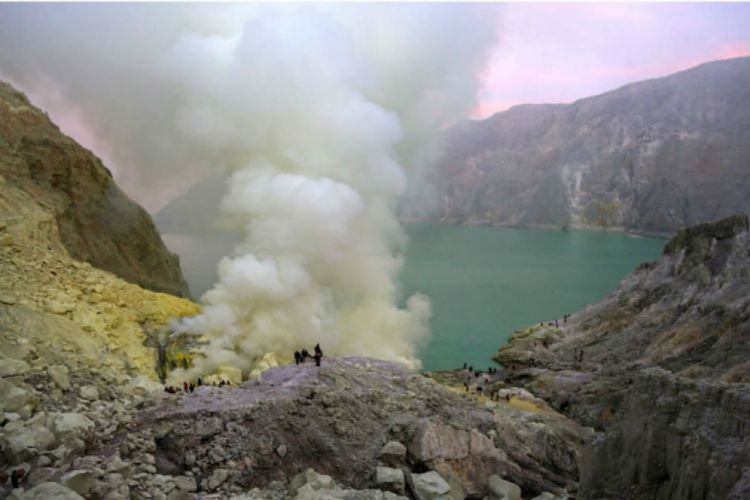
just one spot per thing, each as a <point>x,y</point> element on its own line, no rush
<point>563,52</point>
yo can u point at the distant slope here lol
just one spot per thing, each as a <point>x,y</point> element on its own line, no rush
<point>660,368</point>
<point>650,157</point>
<point>97,222</point>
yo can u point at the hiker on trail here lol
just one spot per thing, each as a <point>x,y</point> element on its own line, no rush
<point>465,365</point>
<point>16,476</point>
<point>297,357</point>
<point>185,387</point>
<point>305,355</point>
<point>200,381</point>
<point>471,369</point>
<point>191,387</point>
<point>318,350</point>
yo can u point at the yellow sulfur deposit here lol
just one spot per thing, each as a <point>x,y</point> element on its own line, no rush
<point>68,311</point>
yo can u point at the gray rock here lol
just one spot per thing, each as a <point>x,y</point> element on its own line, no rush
<point>218,476</point>
<point>437,441</point>
<point>185,483</point>
<point>429,486</point>
<point>10,367</point>
<point>546,495</point>
<point>68,426</point>
<point>313,479</point>
<point>40,475</point>
<point>80,481</point>
<point>50,491</point>
<point>207,427</point>
<point>23,442</point>
<point>501,489</point>
<point>390,479</point>
<point>89,392</point>
<point>12,398</point>
<point>393,453</point>
<point>60,375</point>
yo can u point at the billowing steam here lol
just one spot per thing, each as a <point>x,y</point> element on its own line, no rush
<point>323,114</point>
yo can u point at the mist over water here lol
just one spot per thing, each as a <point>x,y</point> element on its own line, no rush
<point>486,282</point>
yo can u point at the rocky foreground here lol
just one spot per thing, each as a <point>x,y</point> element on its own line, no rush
<point>661,369</point>
<point>353,428</point>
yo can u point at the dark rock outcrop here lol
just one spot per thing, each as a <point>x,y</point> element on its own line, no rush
<point>651,157</point>
<point>97,222</point>
<point>660,368</point>
<point>338,418</point>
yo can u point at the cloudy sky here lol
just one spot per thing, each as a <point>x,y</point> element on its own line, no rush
<point>99,70</point>
<point>562,52</point>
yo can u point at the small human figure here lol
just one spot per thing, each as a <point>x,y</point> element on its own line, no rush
<point>297,357</point>
<point>465,365</point>
<point>471,369</point>
<point>305,354</point>
<point>185,387</point>
<point>191,387</point>
<point>200,381</point>
<point>318,350</point>
<point>317,358</point>
<point>16,476</point>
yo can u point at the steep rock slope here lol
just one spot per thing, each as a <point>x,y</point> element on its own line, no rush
<point>660,367</point>
<point>650,157</point>
<point>54,307</point>
<point>97,222</point>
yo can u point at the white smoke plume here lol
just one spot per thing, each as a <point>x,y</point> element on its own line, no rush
<point>322,113</point>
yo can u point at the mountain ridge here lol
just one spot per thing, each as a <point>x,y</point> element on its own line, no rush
<point>649,157</point>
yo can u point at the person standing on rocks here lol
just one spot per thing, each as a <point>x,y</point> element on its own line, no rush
<point>297,357</point>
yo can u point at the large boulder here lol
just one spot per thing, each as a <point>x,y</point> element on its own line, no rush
<point>10,367</point>
<point>429,486</point>
<point>465,458</point>
<point>12,397</point>
<point>50,491</point>
<point>501,489</point>
<point>68,426</point>
<point>60,376</point>
<point>80,481</point>
<point>20,443</point>
<point>393,453</point>
<point>89,392</point>
<point>313,479</point>
<point>390,479</point>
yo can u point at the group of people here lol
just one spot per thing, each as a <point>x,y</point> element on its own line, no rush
<point>556,322</point>
<point>301,356</point>
<point>188,387</point>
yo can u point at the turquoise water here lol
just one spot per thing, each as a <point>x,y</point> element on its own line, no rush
<point>486,282</point>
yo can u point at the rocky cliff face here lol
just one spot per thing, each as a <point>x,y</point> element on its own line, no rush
<point>97,223</point>
<point>650,157</point>
<point>59,208</point>
<point>660,368</point>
